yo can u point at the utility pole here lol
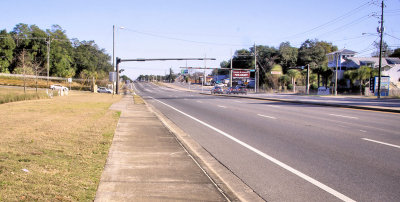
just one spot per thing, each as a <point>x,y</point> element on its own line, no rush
<point>255,69</point>
<point>48,61</point>
<point>380,53</point>
<point>204,73</point>
<point>230,75</point>
<point>337,61</point>
<point>117,70</point>
<point>308,80</point>
<point>113,57</point>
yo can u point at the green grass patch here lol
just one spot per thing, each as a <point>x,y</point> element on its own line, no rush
<point>55,149</point>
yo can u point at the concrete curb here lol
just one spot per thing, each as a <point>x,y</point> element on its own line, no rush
<point>307,102</point>
<point>315,103</point>
<point>234,188</point>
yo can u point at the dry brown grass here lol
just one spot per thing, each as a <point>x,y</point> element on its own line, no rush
<point>63,142</point>
<point>137,99</point>
<point>12,94</point>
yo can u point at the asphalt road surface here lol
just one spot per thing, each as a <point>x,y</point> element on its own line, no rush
<point>291,152</point>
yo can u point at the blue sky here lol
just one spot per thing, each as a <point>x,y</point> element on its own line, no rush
<point>211,28</point>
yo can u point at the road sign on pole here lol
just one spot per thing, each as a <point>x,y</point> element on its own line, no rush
<point>112,76</point>
<point>240,74</point>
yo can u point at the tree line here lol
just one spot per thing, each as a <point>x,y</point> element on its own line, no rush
<point>26,49</point>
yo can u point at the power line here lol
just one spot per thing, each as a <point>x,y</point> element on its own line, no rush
<point>391,36</point>
<point>359,20</point>
<point>331,21</point>
<point>184,40</point>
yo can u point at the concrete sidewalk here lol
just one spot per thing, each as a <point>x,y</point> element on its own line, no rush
<point>147,163</point>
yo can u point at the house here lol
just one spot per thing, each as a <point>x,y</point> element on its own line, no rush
<point>345,59</point>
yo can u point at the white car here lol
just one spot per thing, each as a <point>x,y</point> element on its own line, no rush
<point>104,90</point>
<point>58,87</point>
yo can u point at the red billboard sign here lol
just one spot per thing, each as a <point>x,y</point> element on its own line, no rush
<point>241,74</point>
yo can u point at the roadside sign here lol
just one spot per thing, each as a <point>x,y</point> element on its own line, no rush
<point>241,74</point>
<point>385,83</point>
<point>112,76</point>
<point>276,72</point>
<point>69,80</point>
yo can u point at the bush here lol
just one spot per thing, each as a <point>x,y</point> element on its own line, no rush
<point>314,86</point>
<point>290,87</point>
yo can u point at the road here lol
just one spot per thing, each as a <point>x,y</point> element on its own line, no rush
<point>291,152</point>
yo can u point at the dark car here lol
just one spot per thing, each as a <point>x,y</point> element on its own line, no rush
<point>217,90</point>
<point>240,90</point>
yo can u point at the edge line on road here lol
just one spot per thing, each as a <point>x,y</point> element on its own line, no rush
<point>379,142</point>
<point>271,117</point>
<point>338,115</point>
<point>270,158</point>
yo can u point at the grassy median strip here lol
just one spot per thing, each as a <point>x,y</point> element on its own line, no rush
<point>55,149</point>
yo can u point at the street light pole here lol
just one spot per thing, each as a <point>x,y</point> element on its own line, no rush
<point>113,57</point>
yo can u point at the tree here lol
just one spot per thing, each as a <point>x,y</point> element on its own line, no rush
<point>363,73</point>
<point>284,80</point>
<point>326,74</point>
<point>7,46</point>
<point>60,53</point>
<point>171,76</point>
<point>24,66</point>
<point>314,52</point>
<point>293,74</point>
<point>386,50</point>
<point>288,55</point>
<point>396,53</point>
<point>352,75</point>
<point>88,56</point>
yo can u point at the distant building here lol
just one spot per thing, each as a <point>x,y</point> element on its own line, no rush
<point>345,60</point>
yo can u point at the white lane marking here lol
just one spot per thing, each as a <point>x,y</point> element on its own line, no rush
<point>238,101</point>
<point>384,143</point>
<point>271,117</point>
<point>221,106</point>
<point>350,117</point>
<point>270,158</point>
<point>273,106</point>
<point>363,131</point>
<point>199,101</point>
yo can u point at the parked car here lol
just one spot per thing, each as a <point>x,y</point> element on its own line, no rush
<point>58,87</point>
<point>103,90</point>
<point>229,90</point>
<point>217,90</point>
<point>240,90</point>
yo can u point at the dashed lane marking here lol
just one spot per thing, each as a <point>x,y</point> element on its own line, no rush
<point>349,117</point>
<point>384,143</point>
<point>266,156</point>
